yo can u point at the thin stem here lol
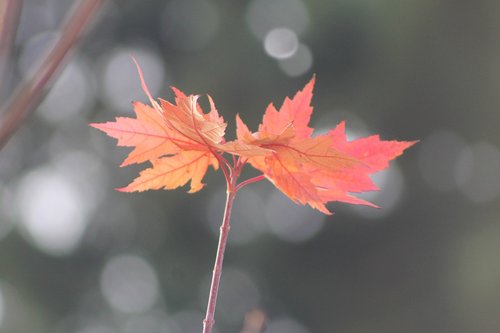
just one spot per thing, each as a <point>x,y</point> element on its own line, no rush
<point>225,166</point>
<point>250,181</point>
<point>209,321</point>
<point>232,188</point>
<point>27,95</point>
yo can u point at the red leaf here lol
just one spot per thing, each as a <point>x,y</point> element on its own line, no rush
<point>315,170</point>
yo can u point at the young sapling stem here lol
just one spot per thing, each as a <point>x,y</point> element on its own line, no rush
<point>209,321</point>
<point>232,189</point>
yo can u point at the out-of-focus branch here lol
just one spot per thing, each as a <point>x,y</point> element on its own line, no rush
<point>27,96</point>
<point>10,11</point>
<point>255,321</point>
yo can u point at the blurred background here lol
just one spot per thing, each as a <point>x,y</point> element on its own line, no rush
<point>78,257</point>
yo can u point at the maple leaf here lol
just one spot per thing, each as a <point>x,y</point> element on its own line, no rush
<point>315,170</point>
<point>179,139</point>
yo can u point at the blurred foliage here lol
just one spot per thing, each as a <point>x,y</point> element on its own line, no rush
<point>427,261</point>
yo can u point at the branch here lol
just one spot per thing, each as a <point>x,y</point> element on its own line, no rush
<point>250,181</point>
<point>28,94</point>
<point>209,321</point>
<point>10,10</point>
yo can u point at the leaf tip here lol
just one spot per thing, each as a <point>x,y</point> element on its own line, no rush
<point>99,126</point>
<point>411,143</point>
<point>177,92</point>
<point>196,187</point>
<point>321,207</point>
<point>144,86</point>
<point>310,85</point>
<point>125,163</point>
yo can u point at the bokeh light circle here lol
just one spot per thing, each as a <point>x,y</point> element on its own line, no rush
<point>129,284</point>
<point>120,80</point>
<point>72,93</point>
<point>477,172</point>
<point>281,43</point>
<point>299,63</point>
<point>290,221</point>
<point>52,211</point>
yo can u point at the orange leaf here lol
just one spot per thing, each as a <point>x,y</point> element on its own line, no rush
<point>179,139</point>
<point>171,172</point>
<point>147,133</point>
